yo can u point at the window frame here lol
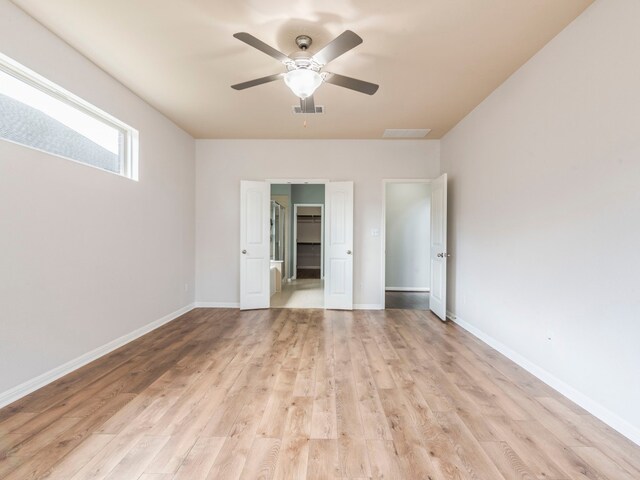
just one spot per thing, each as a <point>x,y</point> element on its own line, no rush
<point>129,158</point>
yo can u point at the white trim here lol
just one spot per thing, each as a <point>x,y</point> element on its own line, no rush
<point>607,416</point>
<point>295,236</point>
<point>217,305</point>
<point>383,229</point>
<point>407,289</point>
<point>40,381</point>
<point>368,306</point>
<point>297,181</point>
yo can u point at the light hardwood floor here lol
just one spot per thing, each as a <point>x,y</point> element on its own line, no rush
<point>292,394</point>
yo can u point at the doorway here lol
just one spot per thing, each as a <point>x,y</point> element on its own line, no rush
<point>257,271</point>
<point>414,245</point>
<point>407,238</point>
<point>302,264</point>
<point>308,232</point>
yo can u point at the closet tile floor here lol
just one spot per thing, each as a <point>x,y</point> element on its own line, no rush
<point>407,300</point>
<point>301,293</point>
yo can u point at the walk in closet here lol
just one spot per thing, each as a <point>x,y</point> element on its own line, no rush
<point>309,242</point>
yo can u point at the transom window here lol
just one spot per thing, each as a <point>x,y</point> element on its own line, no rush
<point>36,113</point>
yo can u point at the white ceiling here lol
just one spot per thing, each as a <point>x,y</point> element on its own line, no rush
<point>435,60</point>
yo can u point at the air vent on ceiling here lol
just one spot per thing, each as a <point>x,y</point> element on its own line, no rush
<point>406,132</point>
<point>298,109</point>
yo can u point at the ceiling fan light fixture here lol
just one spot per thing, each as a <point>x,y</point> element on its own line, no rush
<point>303,81</point>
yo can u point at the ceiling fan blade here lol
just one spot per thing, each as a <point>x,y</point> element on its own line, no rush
<point>257,81</point>
<point>260,45</point>
<point>308,105</point>
<point>339,45</point>
<point>351,83</point>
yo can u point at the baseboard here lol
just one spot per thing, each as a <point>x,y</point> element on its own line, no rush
<point>358,306</point>
<point>40,381</point>
<point>607,416</point>
<point>216,305</point>
<point>368,306</point>
<point>407,289</point>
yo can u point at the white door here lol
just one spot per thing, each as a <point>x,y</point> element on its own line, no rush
<point>438,297</point>
<point>338,271</point>
<point>254,244</point>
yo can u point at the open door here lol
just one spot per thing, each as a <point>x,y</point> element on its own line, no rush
<point>338,272</point>
<point>438,297</point>
<point>254,244</point>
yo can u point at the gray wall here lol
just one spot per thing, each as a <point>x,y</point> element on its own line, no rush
<point>308,193</point>
<point>281,189</point>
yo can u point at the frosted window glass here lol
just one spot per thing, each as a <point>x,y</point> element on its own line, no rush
<point>35,115</point>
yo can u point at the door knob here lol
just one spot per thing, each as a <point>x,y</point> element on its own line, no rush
<point>439,255</point>
<point>244,252</point>
<point>348,252</point>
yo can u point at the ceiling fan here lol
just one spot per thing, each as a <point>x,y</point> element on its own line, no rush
<point>304,72</point>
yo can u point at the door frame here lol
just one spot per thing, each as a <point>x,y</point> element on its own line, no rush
<point>383,229</point>
<point>295,237</point>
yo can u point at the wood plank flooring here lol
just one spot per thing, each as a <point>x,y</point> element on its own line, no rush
<point>294,394</point>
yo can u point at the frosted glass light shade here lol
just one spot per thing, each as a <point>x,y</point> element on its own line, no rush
<point>303,82</point>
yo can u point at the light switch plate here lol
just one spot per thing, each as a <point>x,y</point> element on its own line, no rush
<point>375,232</point>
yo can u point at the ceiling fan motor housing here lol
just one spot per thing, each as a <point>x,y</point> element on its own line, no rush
<point>301,59</point>
<point>303,42</point>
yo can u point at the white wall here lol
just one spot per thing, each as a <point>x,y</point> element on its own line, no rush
<point>408,230</point>
<point>221,164</point>
<point>545,213</point>
<point>87,256</point>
